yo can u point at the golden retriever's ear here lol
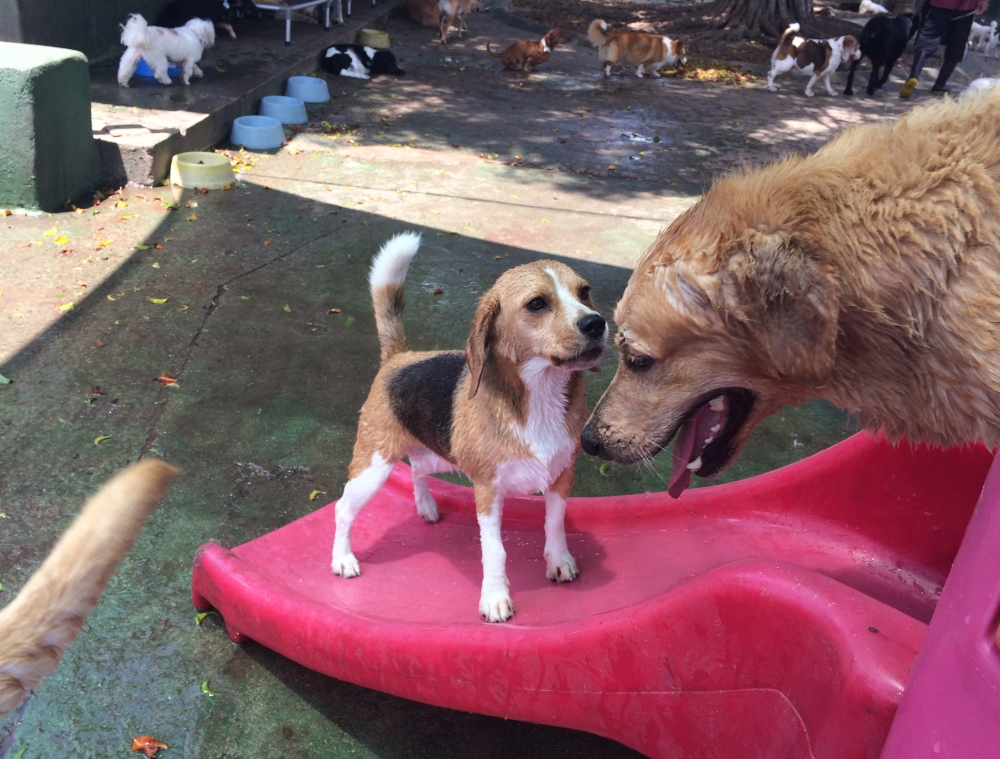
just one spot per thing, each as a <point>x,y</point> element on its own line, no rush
<point>480,338</point>
<point>787,301</point>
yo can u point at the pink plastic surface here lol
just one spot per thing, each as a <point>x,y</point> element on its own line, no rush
<point>951,708</point>
<point>774,617</point>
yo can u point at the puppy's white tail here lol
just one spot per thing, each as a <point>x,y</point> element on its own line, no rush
<point>790,32</point>
<point>386,280</point>
<point>595,32</point>
<point>135,32</point>
<point>45,617</point>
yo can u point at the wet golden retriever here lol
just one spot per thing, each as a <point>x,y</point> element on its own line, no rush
<point>45,617</point>
<point>867,274</point>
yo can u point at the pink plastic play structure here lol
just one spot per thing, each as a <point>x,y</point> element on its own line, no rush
<point>778,616</point>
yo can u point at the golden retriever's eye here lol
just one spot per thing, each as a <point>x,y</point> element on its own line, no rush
<point>536,304</point>
<point>638,362</point>
<point>585,292</point>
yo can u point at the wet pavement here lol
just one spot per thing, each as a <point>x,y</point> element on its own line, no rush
<point>255,299</point>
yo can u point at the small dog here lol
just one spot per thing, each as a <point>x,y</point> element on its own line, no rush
<point>993,45</point>
<point>527,54</point>
<point>508,412</point>
<point>882,40</point>
<point>649,52</point>
<point>815,58</point>
<point>46,616</point>
<point>158,46</point>
<point>448,10</point>
<point>219,12</point>
<point>360,62</point>
<point>866,274</point>
<point>980,35</point>
<point>868,8</point>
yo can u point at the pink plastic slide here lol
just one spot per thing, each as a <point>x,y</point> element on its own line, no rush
<point>774,617</point>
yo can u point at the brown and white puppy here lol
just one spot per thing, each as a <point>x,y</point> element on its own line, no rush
<point>46,616</point>
<point>508,411</point>
<point>527,54</point>
<point>815,58</point>
<point>867,274</point>
<point>649,52</point>
<point>448,10</point>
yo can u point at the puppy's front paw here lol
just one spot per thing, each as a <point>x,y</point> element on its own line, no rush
<point>771,88</point>
<point>809,93</point>
<point>346,566</point>
<point>496,607</point>
<point>561,568</point>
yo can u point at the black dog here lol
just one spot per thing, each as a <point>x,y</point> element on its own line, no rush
<point>882,40</point>
<point>359,61</point>
<point>219,12</point>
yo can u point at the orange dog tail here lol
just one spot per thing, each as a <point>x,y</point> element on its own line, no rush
<point>595,32</point>
<point>495,55</point>
<point>386,280</point>
<point>46,616</point>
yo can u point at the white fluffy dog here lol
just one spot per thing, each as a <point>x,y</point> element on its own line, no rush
<point>158,46</point>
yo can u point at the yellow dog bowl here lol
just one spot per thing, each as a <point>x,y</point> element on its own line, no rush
<point>209,171</point>
<point>373,38</point>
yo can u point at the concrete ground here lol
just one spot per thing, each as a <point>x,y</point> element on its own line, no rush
<point>232,293</point>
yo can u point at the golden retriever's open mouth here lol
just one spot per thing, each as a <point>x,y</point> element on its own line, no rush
<point>704,435</point>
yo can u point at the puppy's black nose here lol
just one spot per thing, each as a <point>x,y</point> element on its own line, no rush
<point>589,440</point>
<point>592,325</point>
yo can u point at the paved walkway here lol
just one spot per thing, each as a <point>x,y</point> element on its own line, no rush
<point>494,169</point>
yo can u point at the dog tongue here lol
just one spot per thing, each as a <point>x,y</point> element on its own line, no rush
<point>694,435</point>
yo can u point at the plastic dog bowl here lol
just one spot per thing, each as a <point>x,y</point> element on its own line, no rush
<point>143,70</point>
<point>206,170</point>
<point>308,89</point>
<point>284,109</point>
<point>373,38</point>
<point>258,132</point>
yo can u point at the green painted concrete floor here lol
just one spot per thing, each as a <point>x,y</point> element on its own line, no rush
<point>495,169</point>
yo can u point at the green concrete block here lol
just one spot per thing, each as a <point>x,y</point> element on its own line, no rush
<point>48,154</point>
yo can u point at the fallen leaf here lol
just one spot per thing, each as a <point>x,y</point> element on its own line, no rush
<point>199,618</point>
<point>205,689</point>
<point>612,167</point>
<point>96,390</point>
<point>312,495</point>
<point>147,745</point>
<point>158,301</point>
<point>99,438</point>
<point>288,310</point>
<point>437,291</point>
<point>65,306</point>
<point>156,265</point>
<point>334,311</point>
<point>104,243</point>
<point>4,380</point>
<point>192,217</point>
<point>244,297</point>
<point>267,242</point>
<point>167,380</point>
<point>497,258</point>
<point>61,240</point>
<point>605,469</point>
<point>112,297</point>
<point>293,151</point>
<point>20,754</point>
<point>158,246</point>
<point>99,345</point>
<point>121,204</point>
<point>349,322</point>
<point>51,233</point>
<point>220,70</point>
<point>128,216</point>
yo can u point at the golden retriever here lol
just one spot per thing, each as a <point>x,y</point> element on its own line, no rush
<point>45,617</point>
<point>867,274</point>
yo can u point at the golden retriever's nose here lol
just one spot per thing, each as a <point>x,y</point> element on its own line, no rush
<point>592,325</point>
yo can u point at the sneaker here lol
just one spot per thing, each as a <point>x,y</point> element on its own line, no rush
<point>907,89</point>
<point>941,91</point>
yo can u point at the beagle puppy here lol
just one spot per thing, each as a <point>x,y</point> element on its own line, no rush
<point>817,59</point>
<point>508,411</point>
<point>526,55</point>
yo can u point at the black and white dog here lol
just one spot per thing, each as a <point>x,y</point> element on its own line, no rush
<point>882,40</point>
<point>360,61</point>
<point>219,12</point>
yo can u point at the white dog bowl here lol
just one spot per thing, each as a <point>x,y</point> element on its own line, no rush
<point>258,132</point>
<point>284,109</point>
<point>308,89</point>
<point>209,171</point>
<point>143,70</point>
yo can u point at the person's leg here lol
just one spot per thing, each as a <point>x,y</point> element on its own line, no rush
<point>955,42</point>
<point>931,34</point>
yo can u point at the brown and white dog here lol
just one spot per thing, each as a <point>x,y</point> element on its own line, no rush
<point>867,274</point>
<point>815,58</point>
<point>48,613</point>
<point>527,54</point>
<point>448,10</point>
<point>508,411</point>
<point>649,52</point>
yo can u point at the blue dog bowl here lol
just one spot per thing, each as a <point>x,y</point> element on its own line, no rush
<point>143,70</point>
<point>308,89</point>
<point>284,109</point>
<point>258,132</point>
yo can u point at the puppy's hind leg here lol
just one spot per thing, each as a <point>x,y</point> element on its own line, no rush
<point>560,566</point>
<point>197,71</point>
<point>128,65</point>
<point>358,491</point>
<point>829,87</point>
<point>422,464</point>
<point>495,603</point>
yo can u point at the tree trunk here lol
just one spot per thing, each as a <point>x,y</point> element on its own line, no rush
<point>761,19</point>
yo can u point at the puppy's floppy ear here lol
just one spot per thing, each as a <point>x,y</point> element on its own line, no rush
<point>787,302</point>
<point>480,337</point>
